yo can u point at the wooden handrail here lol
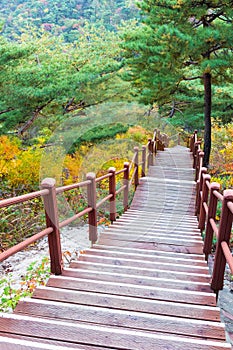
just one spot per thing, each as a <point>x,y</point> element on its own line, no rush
<point>72,187</point>
<point>20,199</point>
<point>207,196</point>
<point>21,246</point>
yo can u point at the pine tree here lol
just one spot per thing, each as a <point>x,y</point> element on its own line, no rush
<point>181,50</point>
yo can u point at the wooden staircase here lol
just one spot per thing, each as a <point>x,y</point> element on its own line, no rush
<point>143,286</point>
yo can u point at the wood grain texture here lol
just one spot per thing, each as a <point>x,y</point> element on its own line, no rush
<point>124,302</point>
<point>100,336</point>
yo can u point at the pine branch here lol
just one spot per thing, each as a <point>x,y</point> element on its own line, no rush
<point>6,110</point>
<point>193,78</point>
<point>35,115</point>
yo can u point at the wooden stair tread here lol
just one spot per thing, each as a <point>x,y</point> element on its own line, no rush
<point>192,249</point>
<point>128,303</point>
<point>141,235</point>
<point>161,282</point>
<point>124,260</point>
<point>100,336</point>
<point>120,318</point>
<point>145,258</point>
<point>151,252</point>
<point>129,289</point>
<point>139,268</point>
<point>77,267</point>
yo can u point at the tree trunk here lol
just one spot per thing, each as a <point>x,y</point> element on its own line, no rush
<point>207,111</point>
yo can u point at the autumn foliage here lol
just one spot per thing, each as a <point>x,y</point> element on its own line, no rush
<point>222,155</point>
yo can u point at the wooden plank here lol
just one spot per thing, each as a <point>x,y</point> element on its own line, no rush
<point>136,266</point>
<point>156,225</point>
<point>127,289</point>
<point>164,217</point>
<point>162,282</point>
<point>9,341</point>
<point>126,272</point>
<point>159,307</point>
<point>143,235</point>
<point>120,318</point>
<point>123,261</point>
<point>151,252</point>
<point>194,249</point>
<point>146,258</point>
<point>101,336</point>
<point>173,232</point>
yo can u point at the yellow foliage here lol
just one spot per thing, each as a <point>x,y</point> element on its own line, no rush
<point>221,159</point>
<point>72,164</point>
<point>136,133</point>
<point>8,151</point>
<point>24,170</point>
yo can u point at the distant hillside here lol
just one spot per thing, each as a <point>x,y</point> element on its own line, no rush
<point>63,16</point>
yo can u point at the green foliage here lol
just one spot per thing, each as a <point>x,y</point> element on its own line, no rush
<point>43,78</point>
<point>37,274</point>
<point>99,133</point>
<point>171,50</point>
<point>65,17</point>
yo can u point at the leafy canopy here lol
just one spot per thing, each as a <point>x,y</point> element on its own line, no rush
<point>173,47</point>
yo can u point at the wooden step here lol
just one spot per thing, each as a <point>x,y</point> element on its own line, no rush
<point>156,223</point>
<point>138,265</point>
<point>72,281</point>
<point>145,258</point>
<point>164,216</point>
<point>125,261</point>
<point>151,229</point>
<point>161,282</point>
<point>151,252</point>
<point>142,273</point>
<point>8,343</point>
<point>120,318</point>
<point>128,303</point>
<point>144,235</point>
<point>101,336</point>
<point>175,248</point>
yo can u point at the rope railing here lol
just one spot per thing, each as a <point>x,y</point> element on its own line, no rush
<point>130,175</point>
<point>207,197</point>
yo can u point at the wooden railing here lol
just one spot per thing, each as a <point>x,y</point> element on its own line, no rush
<point>207,197</point>
<point>142,158</point>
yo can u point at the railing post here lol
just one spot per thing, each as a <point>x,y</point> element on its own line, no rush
<point>136,162</point>
<point>143,174</point>
<point>204,199</point>
<point>224,234</point>
<point>150,150</point>
<point>155,143</point>
<point>213,201</point>
<point>194,147</point>
<point>112,191</point>
<point>179,138</point>
<point>51,213</point>
<point>191,144</point>
<point>198,190</point>
<point>200,156</point>
<point>91,202</point>
<point>126,184</point>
